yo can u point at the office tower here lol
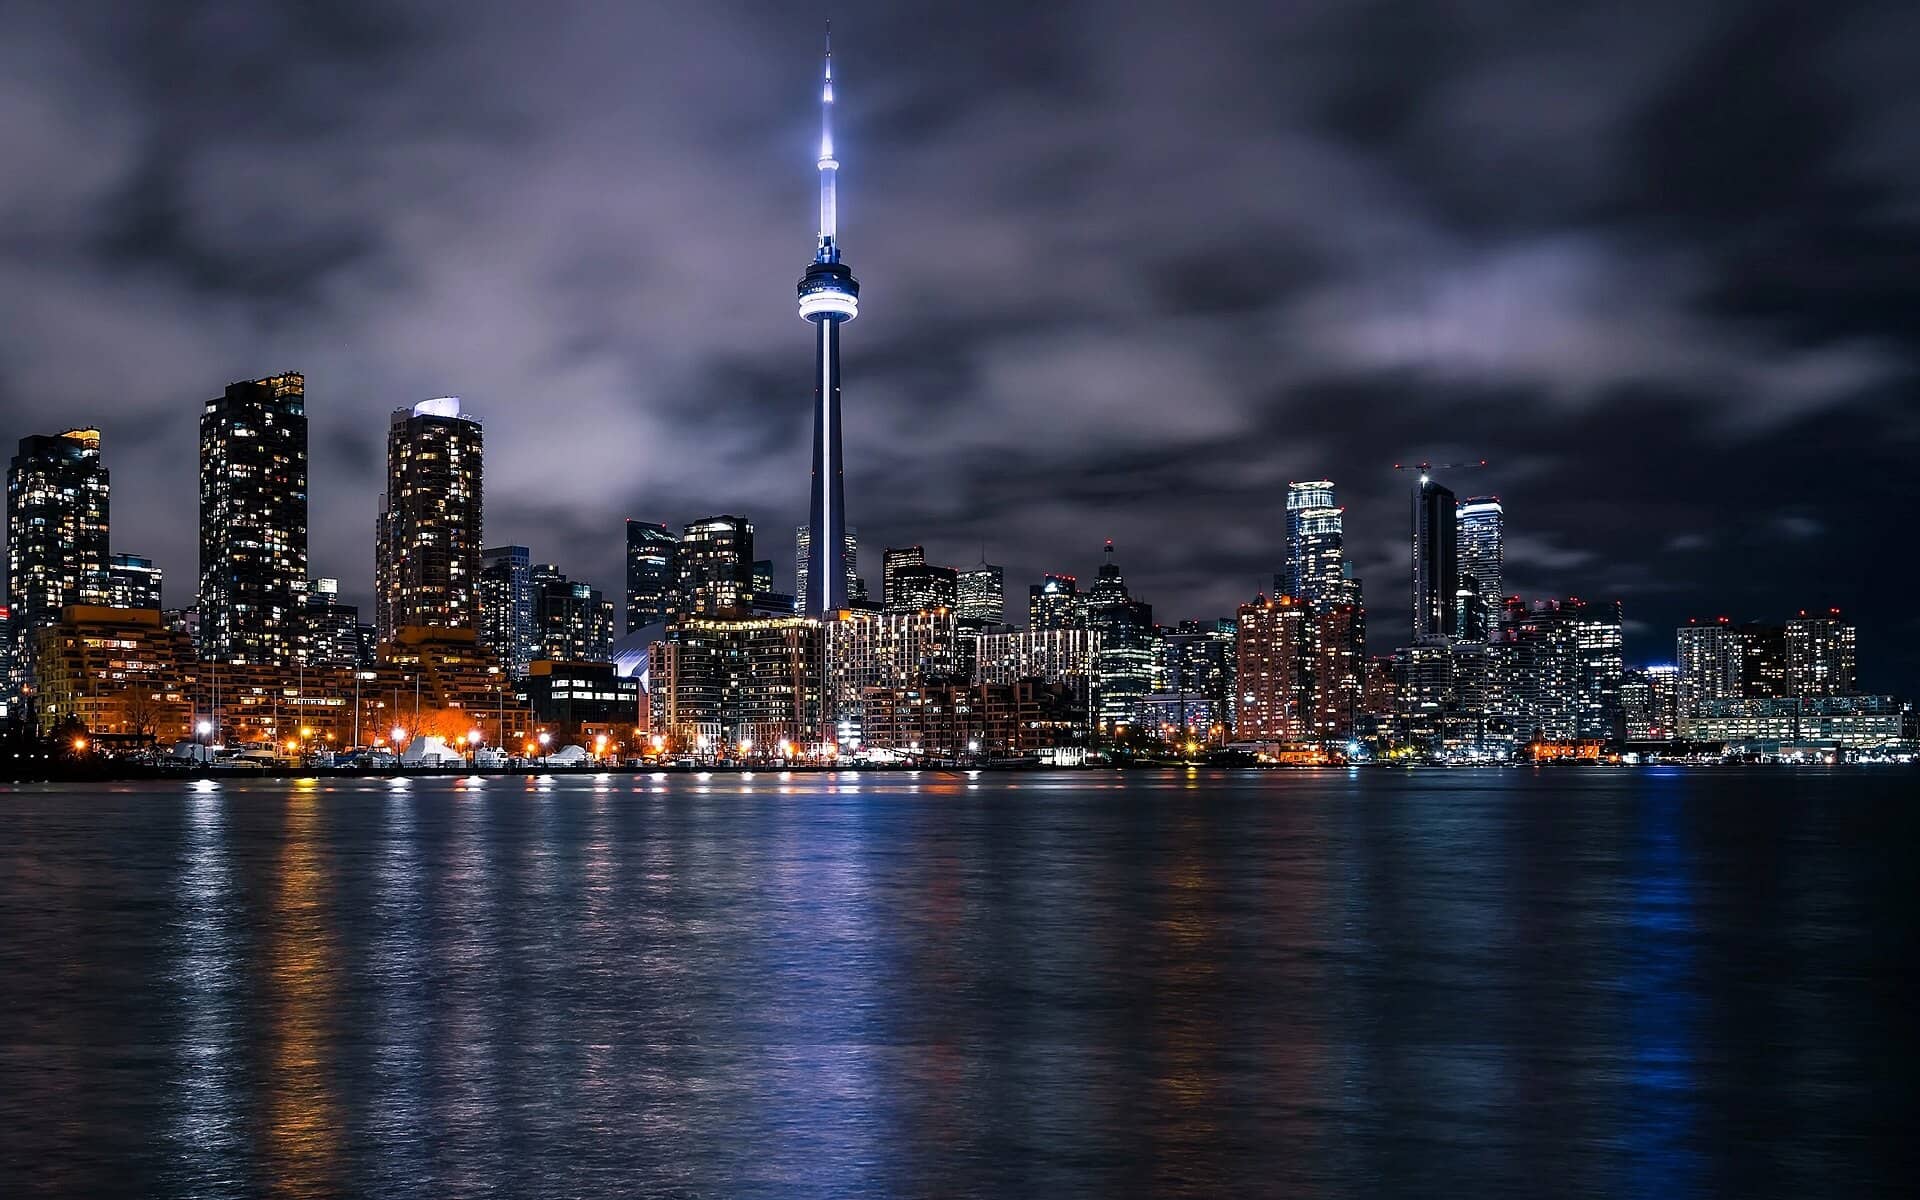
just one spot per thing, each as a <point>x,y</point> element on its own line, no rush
<point>916,589</point>
<point>572,621</point>
<point>1820,655</point>
<point>1436,571</point>
<point>803,550</point>
<point>829,297</point>
<point>650,549</point>
<point>133,582</point>
<point>1316,555</point>
<point>981,594</point>
<point>1054,603</point>
<point>1763,659</point>
<point>1472,614</point>
<point>1193,681</point>
<point>1123,671</point>
<point>893,560</point>
<point>1708,658</point>
<point>714,567</point>
<point>1598,635</point>
<point>506,605</point>
<point>253,520</point>
<point>1274,678</point>
<point>57,501</point>
<point>330,631</point>
<point>428,553</point>
<point>1481,536</point>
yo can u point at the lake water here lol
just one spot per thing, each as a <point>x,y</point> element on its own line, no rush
<point>1523,982</point>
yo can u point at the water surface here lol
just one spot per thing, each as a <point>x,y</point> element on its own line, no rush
<point>1520,982</point>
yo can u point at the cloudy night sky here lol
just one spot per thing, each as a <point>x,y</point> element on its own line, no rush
<point>1127,269</point>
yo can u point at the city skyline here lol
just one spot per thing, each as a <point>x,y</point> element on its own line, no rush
<point>1040,471</point>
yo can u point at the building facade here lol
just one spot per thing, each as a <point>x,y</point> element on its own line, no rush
<point>253,520</point>
<point>427,558</point>
<point>1316,554</point>
<point>57,515</point>
<point>981,594</point>
<point>507,627</point>
<point>1436,565</point>
<point>1481,540</point>
<point>134,581</point>
<point>713,567</point>
<point>650,576</point>
<point>1275,673</point>
<point>572,621</point>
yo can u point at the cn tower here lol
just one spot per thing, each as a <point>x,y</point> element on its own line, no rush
<point>829,297</point>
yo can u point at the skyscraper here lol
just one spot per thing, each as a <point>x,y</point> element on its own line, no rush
<point>803,553</point>
<point>57,493</point>
<point>829,297</point>
<point>329,630</point>
<point>1315,554</point>
<point>713,567</point>
<point>893,560</point>
<point>1436,571</point>
<point>1123,668</point>
<point>982,594</point>
<point>650,550</point>
<point>1708,658</point>
<point>923,587</point>
<point>253,520</point>
<point>572,621</point>
<point>1820,655</point>
<point>1054,603</point>
<point>133,582</point>
<point>1274,675</point>
<point>506,606</point>
<point>1481,533</point>
<point>427,559</point>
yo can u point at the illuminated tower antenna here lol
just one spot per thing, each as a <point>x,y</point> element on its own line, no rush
<point>829,297</point>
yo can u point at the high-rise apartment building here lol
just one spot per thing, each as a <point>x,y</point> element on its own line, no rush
<point>427,562</point>
<point>982,594</point>
<point>57,505</point>
<point>1707,656</point>
<point>1436,569</point>
<point>330,630</point>
<point>650,550</point>
<point>1481,538</point>
<point>1763,660</point>
<point>1274,675</point>
<point>572,621</point>
<point>133,581</point>
<point>713,567</point>
<point>253,520</point>
<point>506,606</point>
<point>1820,655</point>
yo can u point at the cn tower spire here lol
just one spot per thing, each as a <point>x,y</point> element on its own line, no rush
<point>829,298</point>
<point>829,168</point>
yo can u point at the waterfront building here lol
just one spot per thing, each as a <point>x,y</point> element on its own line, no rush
<point>713,567</point>
<point>1763,660</point>
<point>1708,656</point>
<point>866,649</point>
<point>253,520</point>
<point>133,581</point>
<point>572,695</point>
<point>1785,723</point>
<point>507,626</point>
<point>120,672</point>
<point>1052,656</point>
<point>1193,681</point>
<point>721,683</point>
<point>57,512</point>
<point>650,573</point>
<point>1436,570</point>
<point>427,560</point>
<point>1820,653</point>
<point>829,298</point>
<point>1274,676</point>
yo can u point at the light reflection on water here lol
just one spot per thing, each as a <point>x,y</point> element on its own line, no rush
<point>958,983</point>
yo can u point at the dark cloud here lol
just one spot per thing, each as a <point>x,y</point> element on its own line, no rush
<point>1128,269</point>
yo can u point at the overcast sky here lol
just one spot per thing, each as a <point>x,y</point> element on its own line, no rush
<point>1126,270</point>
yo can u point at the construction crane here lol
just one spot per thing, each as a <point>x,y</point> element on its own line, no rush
<point>1426,467</point>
